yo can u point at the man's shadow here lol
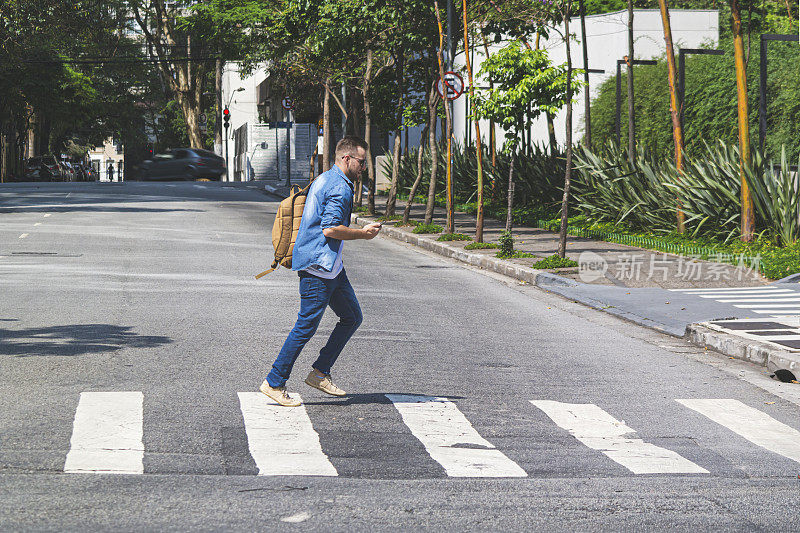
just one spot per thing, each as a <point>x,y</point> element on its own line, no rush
<point>371,398</point>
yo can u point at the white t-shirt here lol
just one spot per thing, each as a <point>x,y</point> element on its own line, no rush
<point>320,272</point>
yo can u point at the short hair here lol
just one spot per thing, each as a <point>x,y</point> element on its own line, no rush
<point>348,144</point>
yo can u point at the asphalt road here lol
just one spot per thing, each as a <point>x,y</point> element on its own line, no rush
<point>146,290</point>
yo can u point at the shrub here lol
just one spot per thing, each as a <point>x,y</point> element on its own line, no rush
<point>554,261</point>
<point>454,237</point>
<point>506,242</point>
<point>480,245</point>
<point>428,228</point>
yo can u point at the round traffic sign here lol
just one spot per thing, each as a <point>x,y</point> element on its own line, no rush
<point>287,103</point>
<point>454,83</point>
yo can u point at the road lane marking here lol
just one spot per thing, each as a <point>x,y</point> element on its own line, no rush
<point>281,439</point>
<point>23,235</point>
<point>107,434</point>
<point>600,431</point>
<point>451,440</point>
<point>46,215</point>
<point>38,224</point>
<point>768,310</point>
<point>752,424</point>
<point>768,304</point>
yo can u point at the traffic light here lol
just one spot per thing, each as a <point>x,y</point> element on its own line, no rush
<point>226,116</point>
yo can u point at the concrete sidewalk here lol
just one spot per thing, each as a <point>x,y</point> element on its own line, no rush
<point>704,301</point>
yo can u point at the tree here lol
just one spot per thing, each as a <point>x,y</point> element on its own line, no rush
<point>522,77</point>
<point>674,111</point>
<point>748,215</point>
<point>168,40</point>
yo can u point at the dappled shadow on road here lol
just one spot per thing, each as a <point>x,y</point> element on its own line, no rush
<point>70,340</point>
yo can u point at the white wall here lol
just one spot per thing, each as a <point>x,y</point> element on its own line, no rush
<point>243,104</point>
<point>607,41</point>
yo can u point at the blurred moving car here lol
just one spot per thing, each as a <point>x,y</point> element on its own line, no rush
<point>183,163</point>
<point>44,168</point>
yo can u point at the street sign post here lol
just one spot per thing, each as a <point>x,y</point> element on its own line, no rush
<point>287,103</point>
<point>454,83</point>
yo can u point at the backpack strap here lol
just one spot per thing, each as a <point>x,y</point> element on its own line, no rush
<point>272,267</point>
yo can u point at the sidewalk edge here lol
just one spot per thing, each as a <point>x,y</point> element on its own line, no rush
<point>749,350</point>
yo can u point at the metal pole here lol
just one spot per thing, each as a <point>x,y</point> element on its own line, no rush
<point>681,84</point>
<point>762,96</point>
<point>288,148</point>
<point>619,104</point>
<point>278,150</point>
<point>227,160</point>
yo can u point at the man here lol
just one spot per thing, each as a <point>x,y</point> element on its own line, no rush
<point>317,258</point>
<point>110,171</point>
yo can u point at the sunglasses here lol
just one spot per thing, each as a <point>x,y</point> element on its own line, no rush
<point>362,162</point>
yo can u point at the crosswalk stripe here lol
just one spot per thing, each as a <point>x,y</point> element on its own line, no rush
<point>107,434</point>
<point>730,289</point>
<point>600,431</point>
<point>281,439</point>
<point>767,304</point>
<point>783,292</point>
<point>769,311</point>
<point>752,424</point>
<point>451,440</point>
<point>762,300</point>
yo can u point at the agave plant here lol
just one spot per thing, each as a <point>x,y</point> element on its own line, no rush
<point>776,198</point>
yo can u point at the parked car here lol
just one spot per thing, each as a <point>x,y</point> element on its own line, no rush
<point>183,163</point>
<point>43,168</point>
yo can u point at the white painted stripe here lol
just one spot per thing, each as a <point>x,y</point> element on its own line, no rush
<point>451,440</point>
<point>729,289</point>
<point>281,439</point>
<point>781,292</point>
<point>770,305</point>
<point>46,215</point>
<point>762,300</point>
<point>752,424</point>
<point>107,434</point>
<point>769,311</point>
<point>38,224</point>
<point>23,235</point>
<point>600,431</point>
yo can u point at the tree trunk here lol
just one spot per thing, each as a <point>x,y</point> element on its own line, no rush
<point>677,130</point>
<point>396,155</point>
<point>631,106</point>
<point>433,106</point>
<point>449,121</point>
<point>748,217</point>
<point>562,240</point>
<point>587,101</point>
<point>510,212</point>
<point>413,192</point>
<point>326,127</point>
<point>478,146</point>
<point>398,136</point>
<point>218,120</point>
<point>551,130</point>
<point>365,86</point>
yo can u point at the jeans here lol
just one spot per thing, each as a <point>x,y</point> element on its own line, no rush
<point>315,295</point>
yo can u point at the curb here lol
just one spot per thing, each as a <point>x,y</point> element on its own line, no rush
<point>533,276</point>
<point>749,350</point>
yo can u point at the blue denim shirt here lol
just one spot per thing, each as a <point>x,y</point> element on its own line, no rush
<point>329,203</point>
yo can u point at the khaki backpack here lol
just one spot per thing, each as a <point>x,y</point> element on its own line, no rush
<point>286,226</point>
